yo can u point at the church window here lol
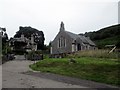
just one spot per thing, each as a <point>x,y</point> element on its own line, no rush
<point>61,42</point>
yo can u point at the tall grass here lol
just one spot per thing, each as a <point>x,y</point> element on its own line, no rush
<point>94,53</point>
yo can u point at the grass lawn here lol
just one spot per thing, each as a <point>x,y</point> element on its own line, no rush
<point>95,69</point>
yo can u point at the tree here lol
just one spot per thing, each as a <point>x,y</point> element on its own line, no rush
<point>118,44</point>
<point>105,36</point>
<point>4,40</point>
<point>28,31</point>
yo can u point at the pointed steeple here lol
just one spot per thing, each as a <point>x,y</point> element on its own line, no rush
<point>62,26</point>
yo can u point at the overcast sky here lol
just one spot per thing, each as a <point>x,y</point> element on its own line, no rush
<point>79,16</point>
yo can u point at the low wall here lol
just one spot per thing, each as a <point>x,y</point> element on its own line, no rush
<point>34,57</point>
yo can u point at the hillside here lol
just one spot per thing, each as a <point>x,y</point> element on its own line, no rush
<point>106,36</point>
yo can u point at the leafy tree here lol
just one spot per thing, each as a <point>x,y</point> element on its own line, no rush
<point>104,36</point>
<point>19,45</point>
<point>4,40</point>
<point>104,32</point>
<point>28,31</point>
<point>118,44</point>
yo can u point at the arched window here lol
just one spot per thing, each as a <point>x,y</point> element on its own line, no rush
<point>61,42</point>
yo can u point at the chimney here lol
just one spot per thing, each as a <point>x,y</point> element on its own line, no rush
<point>22,37</point>
<point>32,39</point>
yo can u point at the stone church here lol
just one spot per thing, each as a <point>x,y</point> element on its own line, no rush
<point>68,42</point>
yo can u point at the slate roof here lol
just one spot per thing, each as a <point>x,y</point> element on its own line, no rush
<point>72,35</point>
<point>81,37</point>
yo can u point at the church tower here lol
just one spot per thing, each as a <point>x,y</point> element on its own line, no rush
<point>62,27</point>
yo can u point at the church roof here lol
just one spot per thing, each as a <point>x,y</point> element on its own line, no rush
<point>72,35</point>
<point>81,37</point>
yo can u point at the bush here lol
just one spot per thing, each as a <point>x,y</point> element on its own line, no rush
<point>4,59</point>
<point>34,55</point>
<point>29,55</point>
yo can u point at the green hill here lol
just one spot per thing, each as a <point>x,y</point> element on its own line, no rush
<point>106,36</point>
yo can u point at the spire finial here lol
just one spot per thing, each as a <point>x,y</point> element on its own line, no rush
<point>62,26</point>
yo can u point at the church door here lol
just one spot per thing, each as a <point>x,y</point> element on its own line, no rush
<point>78,47</point>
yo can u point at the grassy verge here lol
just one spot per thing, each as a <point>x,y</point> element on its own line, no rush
<point>95,69</point>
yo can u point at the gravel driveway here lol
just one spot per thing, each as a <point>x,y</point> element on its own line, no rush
<point>14,77</point>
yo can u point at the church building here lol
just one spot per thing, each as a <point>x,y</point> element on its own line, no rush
<point>68,42</point>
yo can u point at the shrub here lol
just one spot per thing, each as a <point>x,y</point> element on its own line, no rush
<point>34,55</point>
